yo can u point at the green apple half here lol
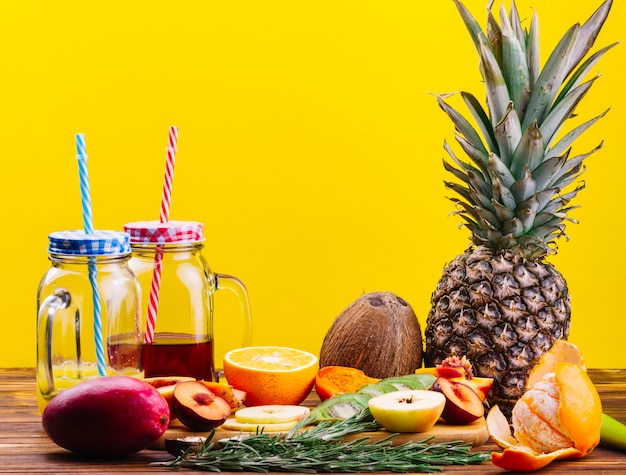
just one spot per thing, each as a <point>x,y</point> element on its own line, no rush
<point>407,411</point>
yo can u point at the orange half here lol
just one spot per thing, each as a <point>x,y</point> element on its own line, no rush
<point>271,374</point>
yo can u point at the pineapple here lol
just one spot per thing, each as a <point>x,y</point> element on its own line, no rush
<point>500,303</point>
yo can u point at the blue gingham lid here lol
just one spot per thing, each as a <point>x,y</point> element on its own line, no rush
<point>79,243</point>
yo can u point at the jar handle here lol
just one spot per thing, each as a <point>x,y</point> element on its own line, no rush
<point>59,300</point>
<point>232,283</point>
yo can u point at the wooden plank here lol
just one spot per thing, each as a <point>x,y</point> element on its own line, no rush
<point>25,448</point>
<point>475,434</point>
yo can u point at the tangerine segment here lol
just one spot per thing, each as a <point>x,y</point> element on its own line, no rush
<point>271,374</point>
<point>561,351</point>
<point>580,410</point>
<point>536,420</point>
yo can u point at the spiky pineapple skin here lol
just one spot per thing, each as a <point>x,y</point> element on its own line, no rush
<point>501,304</point>
<point>502,311</point>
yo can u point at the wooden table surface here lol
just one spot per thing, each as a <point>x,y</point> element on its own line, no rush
<point>25,448</point>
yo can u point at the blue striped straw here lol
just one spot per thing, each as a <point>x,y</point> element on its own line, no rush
<point>97,319</point>
<point>83,176</point>
<point>93,272</point>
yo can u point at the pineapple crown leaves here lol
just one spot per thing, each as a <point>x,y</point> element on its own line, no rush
<point>510,193</point>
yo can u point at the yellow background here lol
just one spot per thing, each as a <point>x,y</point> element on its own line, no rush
<point>309,146</point>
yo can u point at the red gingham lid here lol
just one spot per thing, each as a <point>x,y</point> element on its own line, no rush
<point>160,233</point>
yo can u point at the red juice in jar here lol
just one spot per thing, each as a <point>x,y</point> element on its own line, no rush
<point>179,357</point>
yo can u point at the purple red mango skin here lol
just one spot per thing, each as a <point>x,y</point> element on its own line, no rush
<point>107,417</point>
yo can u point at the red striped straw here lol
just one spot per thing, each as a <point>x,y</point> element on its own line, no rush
<point>169,174</point>
<point>153,302</point>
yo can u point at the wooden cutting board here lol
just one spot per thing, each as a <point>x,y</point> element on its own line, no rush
<point>475,434</point>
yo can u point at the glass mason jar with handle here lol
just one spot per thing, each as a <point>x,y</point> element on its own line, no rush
<point>178,289</point>
<point>88,312</point>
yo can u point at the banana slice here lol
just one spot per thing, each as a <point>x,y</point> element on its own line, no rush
<point>232,424</point>
<point>271,414</point>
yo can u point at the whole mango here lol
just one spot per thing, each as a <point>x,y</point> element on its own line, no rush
<point>111,416</point>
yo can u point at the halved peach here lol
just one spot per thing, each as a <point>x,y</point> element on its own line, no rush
<point>165,386</point>
<point>198,408</point>
<point>442,371</point>
<point>481,386</point>
<point>463,405</point>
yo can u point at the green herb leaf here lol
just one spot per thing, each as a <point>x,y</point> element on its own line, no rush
<point>321,448</point>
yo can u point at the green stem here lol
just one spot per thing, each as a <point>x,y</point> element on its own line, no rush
<point>613,433</point>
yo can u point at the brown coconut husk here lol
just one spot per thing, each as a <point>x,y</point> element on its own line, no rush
<point>378,333</point>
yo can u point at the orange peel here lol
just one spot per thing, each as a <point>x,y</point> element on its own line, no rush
<point>558,417</point>
<point>561,352</point>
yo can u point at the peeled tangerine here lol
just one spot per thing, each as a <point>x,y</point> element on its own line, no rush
<point>558,417</point>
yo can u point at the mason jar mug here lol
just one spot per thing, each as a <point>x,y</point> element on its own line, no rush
<point>178,289</point>
<point>88,312</point>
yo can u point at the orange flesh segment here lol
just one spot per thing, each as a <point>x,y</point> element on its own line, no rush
<point>580,409</point>
<point>271,358</point>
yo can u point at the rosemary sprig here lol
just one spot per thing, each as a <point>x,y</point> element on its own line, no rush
<point>321,449</point>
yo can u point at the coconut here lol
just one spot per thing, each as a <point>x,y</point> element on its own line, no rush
<point>378,333</point>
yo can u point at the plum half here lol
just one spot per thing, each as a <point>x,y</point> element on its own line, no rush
<point>165,386</point>
<point>463,404</point>
<point>198,408</point>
